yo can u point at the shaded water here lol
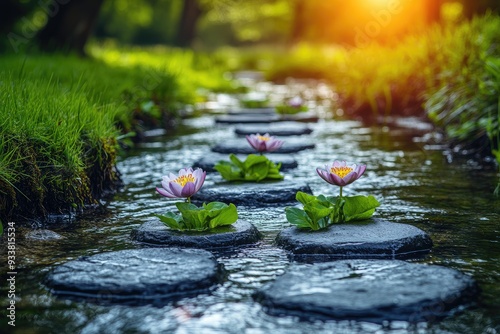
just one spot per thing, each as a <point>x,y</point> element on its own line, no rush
<point>415,182</point>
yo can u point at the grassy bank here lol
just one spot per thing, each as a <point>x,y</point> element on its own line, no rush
<point>61,117</point>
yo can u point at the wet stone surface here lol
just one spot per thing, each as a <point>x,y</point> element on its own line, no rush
<point>252,111</point>
<point>374,238</point>
<point>136,276</point>
<point>155,232</point>
<point>252,194</point>
<point>241,146</point>
<point>208,161</point>
<point>306,117</point>
<point>275,129</point>
<point>246,119</point>
<point>367,290</point>
<point>43,235</point>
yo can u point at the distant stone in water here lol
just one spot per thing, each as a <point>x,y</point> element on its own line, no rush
<point>240,146</point>
<point>251,193</point>
<point>252,111</point>
<point>374,238</point>
<point>246,119</point>
<point>367,290</point>
<point>306,117</point>
<point>136,276</point>
<point>43,235</point>
<point>274,129</point>
<point>208,161</point>
<point>238,234</point>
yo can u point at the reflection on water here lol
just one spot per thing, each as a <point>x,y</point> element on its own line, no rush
<point>453,202</point>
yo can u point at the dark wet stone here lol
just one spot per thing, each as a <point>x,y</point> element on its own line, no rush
<point>374,238</point>
<point>208,162</point>
<point>306,117</point>
<point>367,290</point>
<point>43,235</point>
<point>252,111</point>
<point>155,232</point>
<point>154,133</point>
<point>251,193</point>
<point>245,119</point>
<point>274,129</point>
<point>136,276</point>
<point>241,146</point>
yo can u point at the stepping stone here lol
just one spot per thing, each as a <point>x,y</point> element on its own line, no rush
<point>374,238</point>
<point>274,129</point>
<point>43,235</point>
<point>208,162</point>
<point>241,146</point>
<point>252,111</point>
<point>136,276</point>
<point>255,194</point>
<point>155,232</point>
<point>307,117</point>
<point>244,119</point>
<point>367,290</point>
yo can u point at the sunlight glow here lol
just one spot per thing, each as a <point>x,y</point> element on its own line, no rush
<point>383,3</point>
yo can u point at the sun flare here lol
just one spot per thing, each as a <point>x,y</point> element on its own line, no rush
<point>382,3</point>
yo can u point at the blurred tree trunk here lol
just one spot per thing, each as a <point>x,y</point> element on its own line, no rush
<point>11,11</point>
<point>299,23</point>
<point>470,8</point>
<point>478,7</point>
<point>70,25</point>
<point>186,32</point>
<point>434,10</point>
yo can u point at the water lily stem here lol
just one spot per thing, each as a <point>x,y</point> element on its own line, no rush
<point>188,199</point>
<point>340,193</point>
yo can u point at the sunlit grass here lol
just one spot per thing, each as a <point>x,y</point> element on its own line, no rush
<point>450,74</point>
<point>465,100</point>
<point>191,69</point>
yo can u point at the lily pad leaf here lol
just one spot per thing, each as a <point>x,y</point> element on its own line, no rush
<point>298,217</point>
<point>359,207</point>
<point>171,220</point>
<point>255,168</point>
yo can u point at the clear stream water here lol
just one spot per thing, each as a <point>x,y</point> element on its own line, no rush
<point>416,181</point>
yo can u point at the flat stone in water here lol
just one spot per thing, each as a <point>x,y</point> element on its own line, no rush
<point>367,290</point>
<point>306,117</point>
<point>246,119</point>
<point>274,129</point>
<point>252,111</point>
<point>43,235</point>
<point>136,276</point>
<point>254,194</point>
<point>208,161</point>
<point>374,238</point>
<point>237,234</point>
<point>241,146</point>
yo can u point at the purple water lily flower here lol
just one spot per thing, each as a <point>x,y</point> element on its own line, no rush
<point>340,174</point>
<point>296,102</point>
<point>184,185</point>
<point>264,143</point>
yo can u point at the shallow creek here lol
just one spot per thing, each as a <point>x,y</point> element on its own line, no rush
<point>416,182</point>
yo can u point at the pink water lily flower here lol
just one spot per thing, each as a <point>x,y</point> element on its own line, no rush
<point>264,143</point>
<point>340,174</point>
<point>184,185</point>
<point>296,102</point>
